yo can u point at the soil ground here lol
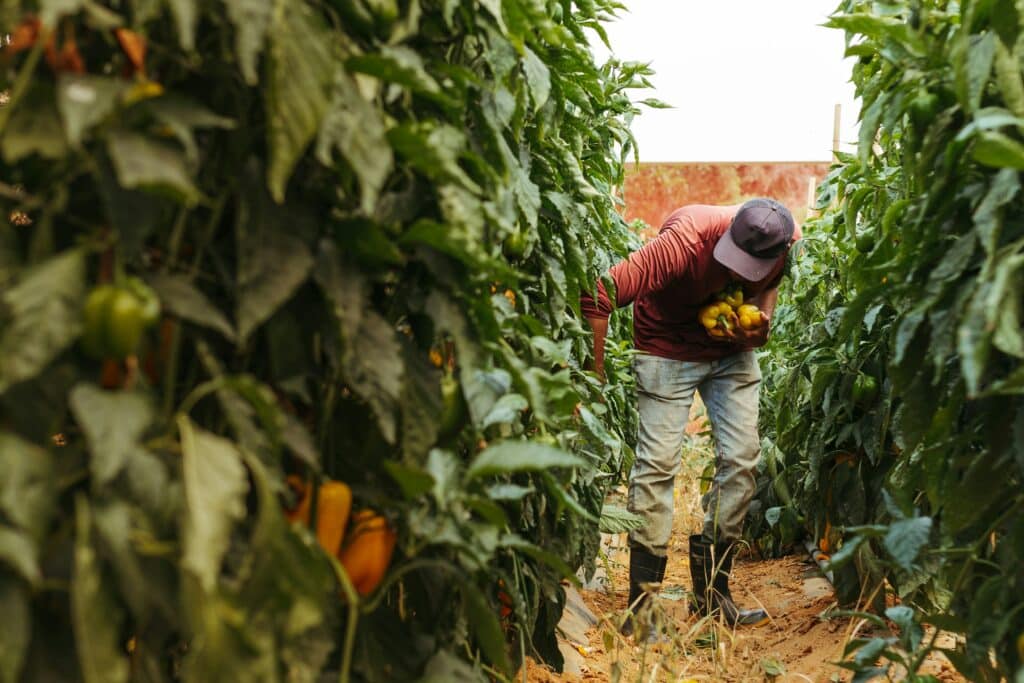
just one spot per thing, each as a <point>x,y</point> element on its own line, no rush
<point>800,642</point>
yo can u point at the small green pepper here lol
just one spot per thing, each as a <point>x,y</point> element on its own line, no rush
<point>115,317</point>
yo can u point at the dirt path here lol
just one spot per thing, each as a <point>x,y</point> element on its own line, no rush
<point>799,643</point>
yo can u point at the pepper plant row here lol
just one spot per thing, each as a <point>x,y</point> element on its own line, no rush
<point>892,416</point>
<point>366,224</point>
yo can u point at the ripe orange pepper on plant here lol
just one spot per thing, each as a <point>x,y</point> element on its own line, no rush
<point>334,502</point>
<point>367,554</point>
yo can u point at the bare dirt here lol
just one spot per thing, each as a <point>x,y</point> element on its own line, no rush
<point>801,642</point>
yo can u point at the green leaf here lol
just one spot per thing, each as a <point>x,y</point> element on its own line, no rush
<point>133,215</point>
<point>433,150</point>
<point>901,615</point>
<point>18,552</point>
<point>617,520</point>
<point>371,356</point>
<point>869,122</point>
<point>300,442</point>
<point>151,166</point>
<point>215,484</point>
<point>772,667</point>
<point>185,17</point>
<point>448,317</point>
<point>293,577</point>
<point>998,150</point>
<point>229,643</point>
<point>301,69</point>
<point>84,101</point>
<point>113,423</point>
<point>974,342</point>
<point>972,80</point>
<point>43,310</point>
<point>52,10</point>
<point>509,491</point>
<point>95,613</point>
<point>517,543</point>
<point>1005,306</point>
<point>988,118</point>
<point>117,525</point>
<point>868,655</point>
<point>396,64</point>
<point>915,414</point>
<point>251,19</point>
<point>413,481</point>
<point>656,104</point>
<point>421,405</point>
<point>1008,78</point>
<point>494,7</point>
<point>355,128</point>
<point>179,296</point>
<point>508,410</point>
<point>272,262</point>
<point>15,628</point>
<point>243,401</point>
<point>34,127</point>
<point>905,539</point>
<point>988,217</point>
<point>565,499</point>
<point>181,116</point>
<point>445,667</point>
<point>27,488</point>
<point>877,28</point>
<point>537,77</point>
<point>483,624</point>
<point>520,456</point>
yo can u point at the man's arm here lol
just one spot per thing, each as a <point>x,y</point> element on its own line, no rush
<point>766,301</point>
<point>600,329</point>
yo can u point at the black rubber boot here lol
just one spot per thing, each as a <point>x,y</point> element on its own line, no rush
<point>644,568</point>
<point>710,566</point>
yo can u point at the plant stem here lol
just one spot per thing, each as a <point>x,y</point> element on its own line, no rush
<point>24,77</point>
<point>352,598</point>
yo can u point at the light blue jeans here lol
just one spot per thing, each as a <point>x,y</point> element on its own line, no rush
<point>729,388</point>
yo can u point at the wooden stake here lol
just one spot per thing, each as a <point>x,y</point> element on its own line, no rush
<point>836,122</point>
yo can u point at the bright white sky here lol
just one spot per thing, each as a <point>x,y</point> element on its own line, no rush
<point>750,80</point>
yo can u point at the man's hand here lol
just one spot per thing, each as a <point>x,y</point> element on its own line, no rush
<point>739,335</point>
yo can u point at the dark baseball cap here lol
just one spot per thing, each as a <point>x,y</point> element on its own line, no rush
<point>758,237</point>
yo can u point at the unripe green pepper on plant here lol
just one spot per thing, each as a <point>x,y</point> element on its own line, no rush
<point>115,316</point>
<point>865,389</point>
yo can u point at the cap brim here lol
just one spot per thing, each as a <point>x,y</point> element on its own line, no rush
<point>748,267</point>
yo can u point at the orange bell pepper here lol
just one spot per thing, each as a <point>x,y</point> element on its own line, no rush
<point>334,502</point>
<point>367,554</point>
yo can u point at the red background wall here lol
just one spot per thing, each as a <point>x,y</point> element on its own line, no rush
<point>654,190</point>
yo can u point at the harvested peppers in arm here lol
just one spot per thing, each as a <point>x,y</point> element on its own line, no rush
<point>718,319</point>
<point>754,318</point>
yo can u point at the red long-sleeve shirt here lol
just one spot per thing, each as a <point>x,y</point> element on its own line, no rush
<point>670,279</point>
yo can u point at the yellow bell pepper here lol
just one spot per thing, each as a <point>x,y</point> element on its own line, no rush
<point>749,316</point>
<point>732,295</point>
<point>717,318</point>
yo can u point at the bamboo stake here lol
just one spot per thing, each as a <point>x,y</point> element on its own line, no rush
<point>836,123</point>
